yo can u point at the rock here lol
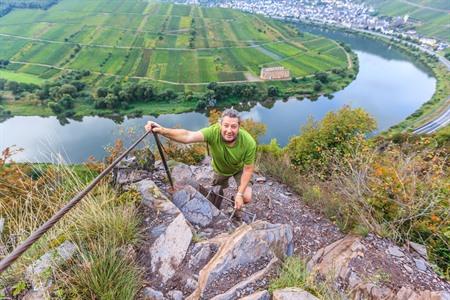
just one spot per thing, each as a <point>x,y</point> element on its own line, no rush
<point>247,245</point>
<point>420,264</point>
<point>263,295</point>
<point>36,295</point>
<point>293,294</point>
<point>151,294</point>
<point>191,284</point>
<point>39,272</point>
<point>154,198</point>
<point>261,179</point>
<point>200,257</point>
<point>353,280</point>
<point>406,293</point>
<point>128,176</point>
<point>370,291</point>
<point>182,175</point>
<point>168,251</point>
<point>395,251</point>
<point>246,284</point>
<point>2,225</point>
<point>204,175</point>
<point>156,231</point>
<point>175,295</point>
<point>408,269</point>
<point>335,258</point>
<point>195,207</point>
<point>420,249</point>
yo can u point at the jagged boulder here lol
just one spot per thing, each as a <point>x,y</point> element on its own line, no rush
<point>126,176</point>
<point>335,258</point>
<point>154,198</point>
<point>293,294</point>
<point>195,207</point>
<point>169,249</point>
<point>252,250</point>
<point>170,236</point>
<point>200,254</point>
<point>182,175</point>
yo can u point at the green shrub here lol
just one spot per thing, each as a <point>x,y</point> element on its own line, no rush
<point>334,137</point>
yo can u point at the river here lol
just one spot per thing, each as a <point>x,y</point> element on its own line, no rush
<point>389,85</point>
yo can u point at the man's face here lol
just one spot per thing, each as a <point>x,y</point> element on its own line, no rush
<point>229,129</point>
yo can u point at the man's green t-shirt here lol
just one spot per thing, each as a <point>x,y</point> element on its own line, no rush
<point>228,160</point>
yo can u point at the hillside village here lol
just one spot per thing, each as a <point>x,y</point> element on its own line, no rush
<point>344,13</point>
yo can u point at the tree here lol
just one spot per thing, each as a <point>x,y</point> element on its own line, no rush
<point>101,92</point>
<point>212,86</point>
<point>273,91</point>
<point>2,83</point>
<point>66,101</point>
<point>55,107</point>
<point>317,86</point>
<point>168,95</point>
<point>112,101</point>
<point>68,89</point>
<point>100,103</point>
<point>322,77</point>
<point>12,86</point>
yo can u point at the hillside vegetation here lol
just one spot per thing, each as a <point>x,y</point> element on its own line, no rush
<point>165,43</point>
<point>138,57</point>
<point>430,17</point>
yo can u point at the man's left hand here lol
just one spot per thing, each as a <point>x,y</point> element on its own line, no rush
<point>238,201</point>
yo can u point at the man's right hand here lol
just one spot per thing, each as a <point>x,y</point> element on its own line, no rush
<point>154,127</point>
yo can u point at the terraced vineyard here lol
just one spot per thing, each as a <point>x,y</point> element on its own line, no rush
<point>177,45</point>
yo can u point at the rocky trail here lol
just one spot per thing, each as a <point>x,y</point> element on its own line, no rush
<point>192,250</point>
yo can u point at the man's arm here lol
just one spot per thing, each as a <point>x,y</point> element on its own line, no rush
<point>245,178</point>
<point>179,135</point>
<point>247,173</point>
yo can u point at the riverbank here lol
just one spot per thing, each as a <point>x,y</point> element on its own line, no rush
<point>440,100</point>
<point>437,104</point>
<point>88,101</point>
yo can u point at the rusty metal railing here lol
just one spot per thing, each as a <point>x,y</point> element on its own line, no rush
<point>24,246</point>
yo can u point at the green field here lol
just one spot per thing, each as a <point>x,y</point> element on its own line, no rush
<point>431,17</point>
<point>20,77</point>
<point>168,44</point>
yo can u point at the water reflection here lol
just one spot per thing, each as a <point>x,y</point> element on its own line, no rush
<point>389,86</point>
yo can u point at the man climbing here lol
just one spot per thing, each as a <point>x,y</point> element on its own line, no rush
<point>232,148</point>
